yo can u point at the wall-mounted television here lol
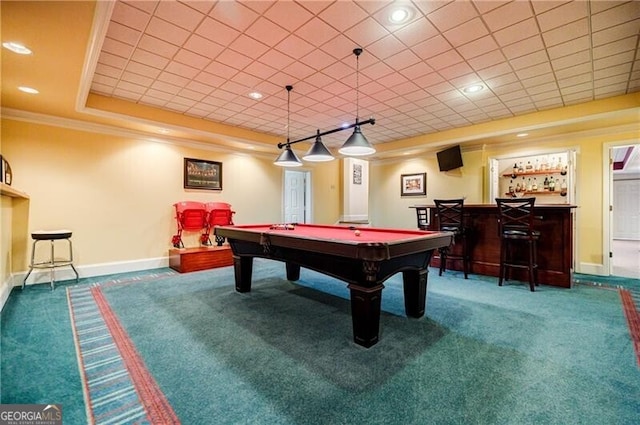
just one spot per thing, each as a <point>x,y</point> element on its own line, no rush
<point>450,158</point>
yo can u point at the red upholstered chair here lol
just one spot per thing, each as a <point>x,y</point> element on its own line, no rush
<point>218,214</point>
<point>191,216</point>
<point>515,224</point>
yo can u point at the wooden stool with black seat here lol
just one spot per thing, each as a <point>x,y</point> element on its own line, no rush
<point>450,213</point>
<point>515,225</point>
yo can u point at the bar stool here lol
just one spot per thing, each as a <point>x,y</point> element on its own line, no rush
<point>515,225</point>
<point>451,219</point>
<point>52,263</point>
<point>422,215</point>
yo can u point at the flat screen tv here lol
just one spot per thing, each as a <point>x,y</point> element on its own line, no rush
<point>450,158</point>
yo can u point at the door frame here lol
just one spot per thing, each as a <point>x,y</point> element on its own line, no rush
<point>607,204</point>
<point>308,207</point>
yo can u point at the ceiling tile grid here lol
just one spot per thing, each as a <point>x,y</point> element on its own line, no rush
<point>203,59</point>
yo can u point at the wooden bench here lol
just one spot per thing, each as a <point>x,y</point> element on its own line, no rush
<point>186,260</point>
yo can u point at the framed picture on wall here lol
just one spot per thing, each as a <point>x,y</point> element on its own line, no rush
<point>413,184</point>
<point>202,174</point>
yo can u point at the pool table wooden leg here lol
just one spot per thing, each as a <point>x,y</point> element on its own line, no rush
<point>365,313</point>
<point>293,271</point>
<point>415,291</point>
<point>243,269</point>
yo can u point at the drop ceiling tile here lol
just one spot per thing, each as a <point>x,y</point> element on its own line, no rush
<point>527,61</point>
<point>157,46</point>
<point>180,14</point>
<point>477,47</point>
<point>625,57</point>
<point>150,59</point>
<point>337,70</point>
<point>569,48</point>
<point>576,80</point>
<point>167,31</point>
<point>173,79</point>
<point>620,46</point>
<point>299,70</point>
<point>507,15</point>
<point>466,32</point>
<point>189,58</point>
<point>566,33</point>
<point>567,62</point>
<point>203,47</point>
<point>452,15</point>
<point>233,14</point>
<point>456,71</point>
<point>244,44</point>
<point>416,32</point>
<point>221,70</point>
<point>616,15</point>
<point>524,47</point>
<point>209,79</point>
<point>266,32</point>
<point>485,61</point>
<point>130,16</point>
<point>568,71</point>
<point>540,69</point>
<point>444,60</point>
<point>217,31</point>
<point>160,94</point>
<point>122,33</point>
<point>134,97</point>
<point>614,33</point>
<point>288,14</point>
<point>417,70</point>
<point>365,32</point>
<point>385,47</point>
<point>563,15</point>
<point>316,32</point>
<point>343,15</point>
<point>514,33</point>
<point>192,95</point>
<point>432,47</point>
<point>117,62</point>
<point>233,59</point>
<point>142,69</point>
<point>294,47</point>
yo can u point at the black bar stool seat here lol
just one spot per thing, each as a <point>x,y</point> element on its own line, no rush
<point>52,263</point>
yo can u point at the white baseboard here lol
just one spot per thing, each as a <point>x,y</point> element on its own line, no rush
<point>591,268</point>
<point>5,290</point>
<point>91,270</point>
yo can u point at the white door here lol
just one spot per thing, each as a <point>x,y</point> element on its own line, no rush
<point>626,209</point>
<point>295,196</point>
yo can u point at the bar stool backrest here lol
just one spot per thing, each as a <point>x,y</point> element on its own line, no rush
<point>516,217</point>
<point>423,217</point>
<point>450,214</point>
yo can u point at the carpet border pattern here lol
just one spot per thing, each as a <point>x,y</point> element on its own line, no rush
<point>116,384</point>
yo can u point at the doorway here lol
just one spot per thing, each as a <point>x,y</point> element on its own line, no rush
<point>624,214</point>
<point>297,197</point>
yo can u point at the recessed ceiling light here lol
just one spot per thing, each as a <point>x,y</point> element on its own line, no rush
<point>473,89</point>
<point>21,49</point>
<point>522,134</point>
<point>29,90</point>
<point>255,95</point>
<point>399,15</point>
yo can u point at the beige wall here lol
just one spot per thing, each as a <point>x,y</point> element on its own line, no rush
<point>116,193</point>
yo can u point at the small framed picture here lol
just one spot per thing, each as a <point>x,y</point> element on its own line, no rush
<point>202,174</point>
<point>413,184</point>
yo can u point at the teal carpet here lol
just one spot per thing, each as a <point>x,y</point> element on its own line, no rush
<point>283,353</point>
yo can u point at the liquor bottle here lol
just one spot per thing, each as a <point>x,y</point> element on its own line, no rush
<point>529,185</point>
<point>520,167</point>
<point>534,186</point>
<point>563,187</point>
<point>552,184</point>
<point>515,169</point>
<point>511,190</point>
<point>545,184</point>
<point>537,165</point>
<point>529,167</point>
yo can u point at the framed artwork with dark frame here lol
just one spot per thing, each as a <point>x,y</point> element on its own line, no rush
<point>413,184</point>
<point>202,174</point>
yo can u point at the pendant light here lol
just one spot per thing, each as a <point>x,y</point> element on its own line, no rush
<point>288,157</point>
<point>318,151</point>
<point>357,144</point>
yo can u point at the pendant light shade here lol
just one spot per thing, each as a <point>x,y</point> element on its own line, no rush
<point>357,144</point>
<point>288,158</point>
<point>318,151</point>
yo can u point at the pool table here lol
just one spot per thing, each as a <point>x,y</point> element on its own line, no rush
<point>364,257</point>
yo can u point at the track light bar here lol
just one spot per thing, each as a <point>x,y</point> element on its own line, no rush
<point>335,130</point>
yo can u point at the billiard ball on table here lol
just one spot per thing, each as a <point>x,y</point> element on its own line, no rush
<point>357,233</point>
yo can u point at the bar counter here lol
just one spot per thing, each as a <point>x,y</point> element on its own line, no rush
<point>555,246</point>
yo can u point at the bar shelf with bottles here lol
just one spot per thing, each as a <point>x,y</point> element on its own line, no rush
<point>543,176</point>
